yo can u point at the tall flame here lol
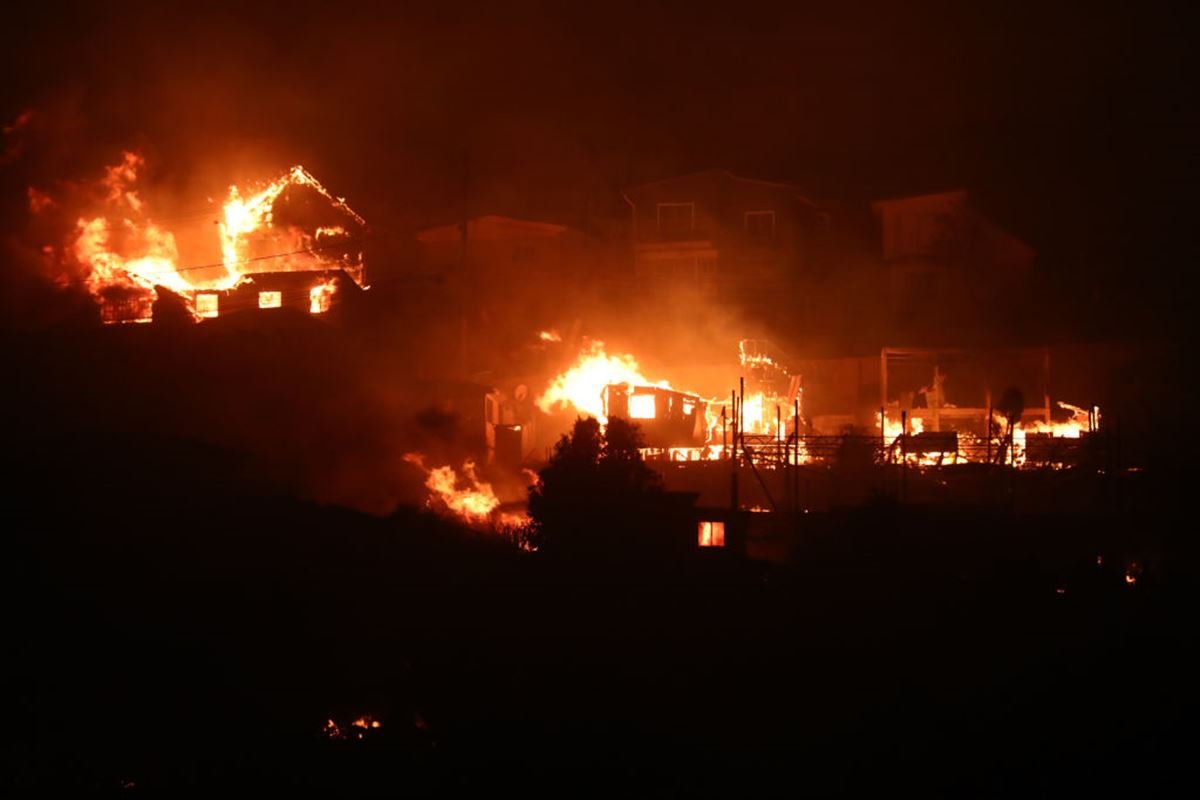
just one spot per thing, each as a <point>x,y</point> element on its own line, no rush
<point>320,296</point>
<point>581,387</point>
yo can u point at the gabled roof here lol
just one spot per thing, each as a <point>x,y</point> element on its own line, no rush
<point>951,197</point>
<point>490,226</point>
<point>799,191</point>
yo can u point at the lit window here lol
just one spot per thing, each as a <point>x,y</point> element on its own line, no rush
<point>676,219</point>
<point>320,296</point>
<point>270,299</point>
<point>641,406</point>
<point>760,224</point>
<point>712,534</point>
<point>206,305</point>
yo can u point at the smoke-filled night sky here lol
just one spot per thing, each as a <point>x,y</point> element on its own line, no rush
<point>1067,123</point>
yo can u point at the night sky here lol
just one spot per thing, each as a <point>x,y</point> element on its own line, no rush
<point>1069,124</point>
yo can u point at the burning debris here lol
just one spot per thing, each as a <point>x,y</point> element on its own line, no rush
<point>1003,439</point>
<point>357,729</point>
<point>127,255</point>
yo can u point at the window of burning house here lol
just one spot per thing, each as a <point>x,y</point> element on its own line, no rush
<point>711,534</point>
<point>760,225</point>
<point>270,299</point>
<point>206,304</point>
<point>676,219</point>
<point>641,406</point>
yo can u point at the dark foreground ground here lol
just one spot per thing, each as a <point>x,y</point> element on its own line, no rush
<point>180,633</point>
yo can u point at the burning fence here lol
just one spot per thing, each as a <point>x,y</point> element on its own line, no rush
<point>288,242</point>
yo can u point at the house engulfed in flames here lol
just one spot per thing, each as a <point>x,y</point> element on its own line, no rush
<point>286,244</point>
<point>667,418</point>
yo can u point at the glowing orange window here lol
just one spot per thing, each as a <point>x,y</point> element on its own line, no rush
<point>641,406</point>
<point>206,305</point>
<point>711,534</point>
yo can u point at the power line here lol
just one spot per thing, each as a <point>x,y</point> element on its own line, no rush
<point>306,251</point>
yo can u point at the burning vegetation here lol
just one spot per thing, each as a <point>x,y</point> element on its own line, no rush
<point>464,495</point>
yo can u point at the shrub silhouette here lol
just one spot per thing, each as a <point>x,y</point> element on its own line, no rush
<point>596,492</point>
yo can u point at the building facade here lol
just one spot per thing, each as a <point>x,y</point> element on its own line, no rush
<point>723,235</point>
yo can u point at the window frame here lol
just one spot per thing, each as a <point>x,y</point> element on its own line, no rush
<point>759,213</point>
<point>208,313</point>
<point>690,205</point>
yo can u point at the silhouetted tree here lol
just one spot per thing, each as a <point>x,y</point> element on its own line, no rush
<point>596,492</point>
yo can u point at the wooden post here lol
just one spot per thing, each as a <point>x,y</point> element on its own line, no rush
<point>883,448</point>
<point>778,433</point>
<point>988,429</point>
<point>1046,381</point>
<point>733,462</point>
<point>724,435</point>
<point>883,377</point>
<point>796,451</point>
<point>742,411</point>
<point>936,403</point>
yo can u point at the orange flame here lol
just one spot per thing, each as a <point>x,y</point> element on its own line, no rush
<point>126,251</point>
<point>320,296</point>
<point>475,503</point>
<point>581,387</point>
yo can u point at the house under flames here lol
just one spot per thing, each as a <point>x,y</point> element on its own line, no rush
<point>667,418</point>
<point>289,244</point>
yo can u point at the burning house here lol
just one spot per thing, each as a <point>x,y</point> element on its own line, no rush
<point>286,244</point>
<point>667,418</point>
